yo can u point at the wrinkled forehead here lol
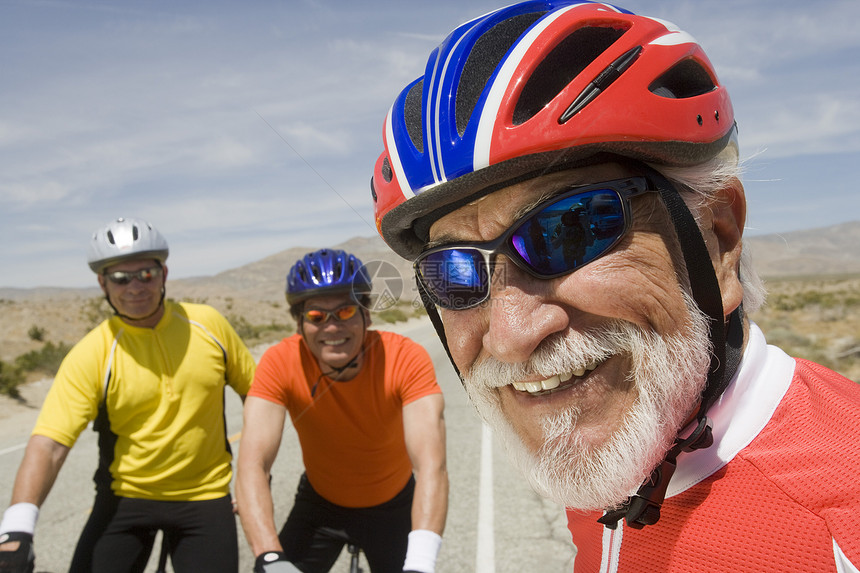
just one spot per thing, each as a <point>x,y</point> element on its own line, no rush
<point>487,217</point>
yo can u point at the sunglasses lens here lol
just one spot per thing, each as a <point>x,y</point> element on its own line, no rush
<point>455,278</point>
<point>571,232</point>
<point>316,316</point>
<point>346,312</point>
<point>120,277</point>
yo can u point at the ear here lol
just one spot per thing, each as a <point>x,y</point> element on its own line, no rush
<point>164,268</point>
<point>101,278</point>
<point>723,234</point>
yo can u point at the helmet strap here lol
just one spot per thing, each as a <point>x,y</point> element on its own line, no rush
<point>436,320</point>
<point>337,371</point>
<point>643,508</point>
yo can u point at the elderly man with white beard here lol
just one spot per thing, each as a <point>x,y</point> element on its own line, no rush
<point>626,381</point>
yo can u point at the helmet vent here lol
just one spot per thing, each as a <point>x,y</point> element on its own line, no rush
<point>683,80</point>
<point>561,66</point>
<point>134,233</point>
<point>110,238</point>
<point>483,60</point>
<point>412,116</point>
<point>386,170</point>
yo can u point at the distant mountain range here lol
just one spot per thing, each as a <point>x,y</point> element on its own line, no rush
<point>831,250</point>
<point>814,252</point>
<point>255,292</point>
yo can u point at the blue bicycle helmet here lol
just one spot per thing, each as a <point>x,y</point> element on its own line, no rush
<point>324,272</point>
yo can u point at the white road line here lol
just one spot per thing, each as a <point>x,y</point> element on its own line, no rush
<point>13,449</point>
<point>485,559</point>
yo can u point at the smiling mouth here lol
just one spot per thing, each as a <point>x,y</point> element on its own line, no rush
<point>556,382</point>
<point>337,342</point>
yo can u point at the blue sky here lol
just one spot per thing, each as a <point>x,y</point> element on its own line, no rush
<point>244,128</point>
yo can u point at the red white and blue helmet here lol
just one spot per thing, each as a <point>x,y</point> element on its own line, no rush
<point>536,87</point>
<point>325,272</point>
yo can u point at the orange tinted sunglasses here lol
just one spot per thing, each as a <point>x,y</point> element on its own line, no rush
<point>340,314</point>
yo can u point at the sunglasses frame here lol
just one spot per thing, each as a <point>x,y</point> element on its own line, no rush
<point>330,314</point>
<point>153,272</point>
<point>626,189</point>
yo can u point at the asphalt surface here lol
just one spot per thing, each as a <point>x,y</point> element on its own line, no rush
<point>495,522</point>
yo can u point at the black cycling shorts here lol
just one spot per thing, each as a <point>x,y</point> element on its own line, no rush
<point>120,533</point>
<point>316,530</point>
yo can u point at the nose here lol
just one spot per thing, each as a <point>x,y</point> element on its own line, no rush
<point>522,313</point>
<point>137,284</point>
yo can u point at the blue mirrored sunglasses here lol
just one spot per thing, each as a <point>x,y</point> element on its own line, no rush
<point>558,236</point>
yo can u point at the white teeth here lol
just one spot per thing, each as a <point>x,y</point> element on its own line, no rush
<point>334,342</point>
<point>533,386</point>
<point>553,381</point>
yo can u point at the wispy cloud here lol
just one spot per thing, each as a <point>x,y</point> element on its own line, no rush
<point>244,129</point>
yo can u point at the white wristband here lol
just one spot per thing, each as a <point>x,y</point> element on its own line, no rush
<point>422,551</point>
<point>20,517</point>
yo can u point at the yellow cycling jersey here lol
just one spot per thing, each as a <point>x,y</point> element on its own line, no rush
<point>163,389</point>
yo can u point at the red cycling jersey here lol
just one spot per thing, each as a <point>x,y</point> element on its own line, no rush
<point>778,490</point>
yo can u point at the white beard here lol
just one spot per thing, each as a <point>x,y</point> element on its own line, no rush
<point>669,374</point>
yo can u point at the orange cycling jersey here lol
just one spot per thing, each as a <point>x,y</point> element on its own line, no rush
<point>351,432</point>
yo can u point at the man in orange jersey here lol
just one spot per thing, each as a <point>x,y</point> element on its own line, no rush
<point>368,413</point>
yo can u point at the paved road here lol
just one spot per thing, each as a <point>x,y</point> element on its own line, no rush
<point>495,523</point>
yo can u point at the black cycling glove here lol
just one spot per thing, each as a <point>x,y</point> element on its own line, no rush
<point>23,559</point>
<point>274,562</point>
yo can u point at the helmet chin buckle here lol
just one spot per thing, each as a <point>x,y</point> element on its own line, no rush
<point>644,508</point>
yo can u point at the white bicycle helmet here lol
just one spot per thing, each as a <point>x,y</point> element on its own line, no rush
<point>123,239</point>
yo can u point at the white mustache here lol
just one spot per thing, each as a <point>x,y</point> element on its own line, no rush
<point>559,354</point>
<point>668,372</point>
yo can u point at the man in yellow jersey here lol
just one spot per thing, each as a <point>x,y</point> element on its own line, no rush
<point>152,379</point>
<point>368,413</point>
